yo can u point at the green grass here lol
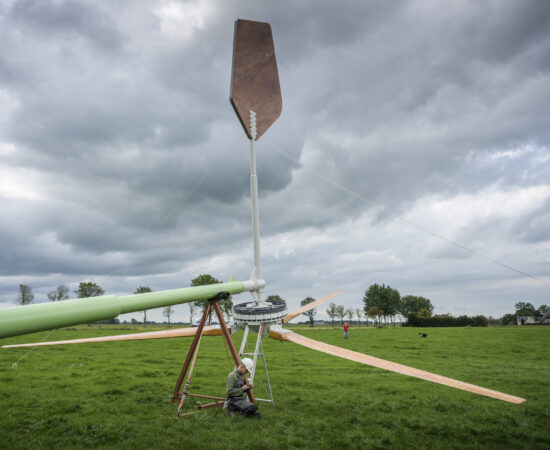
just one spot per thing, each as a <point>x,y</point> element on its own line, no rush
<point>117,394</point>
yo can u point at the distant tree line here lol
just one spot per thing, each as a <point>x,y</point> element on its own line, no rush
<point>460,321</point>
<point>381,303</point>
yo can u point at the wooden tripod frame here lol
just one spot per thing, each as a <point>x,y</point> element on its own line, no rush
<point>191,357</point>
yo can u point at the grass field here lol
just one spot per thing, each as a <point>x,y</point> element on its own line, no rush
<point>117,394</point>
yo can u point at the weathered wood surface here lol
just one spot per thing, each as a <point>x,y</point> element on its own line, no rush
<point>303,309</point>
<point>391,366</point>
<point>254,77</point>
<point>177,332</point>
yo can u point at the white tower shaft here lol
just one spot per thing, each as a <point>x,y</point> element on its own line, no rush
<point>257,274</point>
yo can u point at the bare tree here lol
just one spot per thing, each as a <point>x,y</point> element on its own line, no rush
<point>61,293</point>
<point>192,309</point>
<point>331,312</point>
<point>227,308</point>
<point>340,313</point>
<point>359,313</point>
<point>311,313</point>
<point>375,312</point>
<point>143,290</point>
<point>25,295</point>
<point>349,314</point>
<point>167,312</point>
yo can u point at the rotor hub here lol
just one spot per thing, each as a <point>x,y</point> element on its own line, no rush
<point>252,314</point>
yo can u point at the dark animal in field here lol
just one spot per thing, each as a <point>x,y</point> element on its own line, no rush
<point>423,335</point>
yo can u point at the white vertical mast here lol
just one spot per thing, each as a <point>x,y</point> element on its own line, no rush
<point>257,274</point>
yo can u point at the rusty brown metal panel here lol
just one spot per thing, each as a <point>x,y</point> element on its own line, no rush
<point>254,77</point>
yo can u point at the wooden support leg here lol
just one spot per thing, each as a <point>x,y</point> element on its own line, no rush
<point>176,395</point>
<point>185,391</point>
<point>232,349</point>
<point>190,359</point>
<point>211,405</point>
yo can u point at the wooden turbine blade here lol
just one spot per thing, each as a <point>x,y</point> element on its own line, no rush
<point>391,366</point>
<point>293,314</point>
<point>178,332</point>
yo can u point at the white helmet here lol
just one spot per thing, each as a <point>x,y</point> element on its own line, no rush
<point>248,363</point>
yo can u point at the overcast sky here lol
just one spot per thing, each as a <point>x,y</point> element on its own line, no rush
<point>122,162</point>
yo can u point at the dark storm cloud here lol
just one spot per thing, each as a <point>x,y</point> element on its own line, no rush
<point>426,100</point>
<point>67,20</point>
<point>303,29</point>
<point>504,31</point>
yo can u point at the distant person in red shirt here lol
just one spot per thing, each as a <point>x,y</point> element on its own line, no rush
<point>346,328</point>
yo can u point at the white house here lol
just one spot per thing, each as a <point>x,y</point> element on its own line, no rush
<point>526,320</point>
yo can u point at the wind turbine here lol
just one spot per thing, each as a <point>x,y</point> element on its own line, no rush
<point>256,99</point>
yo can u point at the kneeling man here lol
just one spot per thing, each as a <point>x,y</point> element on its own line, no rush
<point>236,388</point>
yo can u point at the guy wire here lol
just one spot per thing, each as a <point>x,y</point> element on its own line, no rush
<point>14,365</point>
<point>187,195</point>
<point>410,222</point>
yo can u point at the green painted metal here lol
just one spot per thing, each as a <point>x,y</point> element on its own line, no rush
<point>47,316</point>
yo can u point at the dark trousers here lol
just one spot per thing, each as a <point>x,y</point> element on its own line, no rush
<point>241,405</point>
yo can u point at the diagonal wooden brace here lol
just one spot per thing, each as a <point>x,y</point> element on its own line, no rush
<point>176,394</point>
<point>232,349</point>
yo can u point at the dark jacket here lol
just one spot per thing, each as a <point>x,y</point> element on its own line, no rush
<point>235,383</point>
